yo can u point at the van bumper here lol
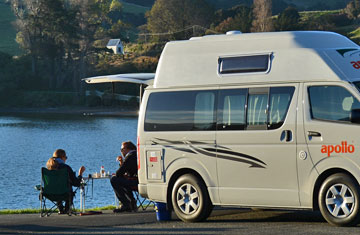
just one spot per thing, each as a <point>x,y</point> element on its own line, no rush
<point>155,192</point>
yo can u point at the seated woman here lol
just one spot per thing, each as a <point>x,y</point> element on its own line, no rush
<point>57,161</point>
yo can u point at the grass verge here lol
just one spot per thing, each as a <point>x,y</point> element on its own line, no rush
<point>37,211</point>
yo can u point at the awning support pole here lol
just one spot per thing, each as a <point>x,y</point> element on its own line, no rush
<point>141,93</point>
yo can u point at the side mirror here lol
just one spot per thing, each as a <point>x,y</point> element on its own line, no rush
<point>355,116</point>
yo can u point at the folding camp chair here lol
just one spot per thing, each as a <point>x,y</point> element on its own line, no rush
<point>141,201</point>
<point>54,187</point>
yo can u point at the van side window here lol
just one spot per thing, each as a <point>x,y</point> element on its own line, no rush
<point>204,111</point>
<point>244,64</point>
<point>331,103</point>
<point>181,111</point>
<point>254,108</point>
<point>257,108</point>
<point>280,98</point>
<point>232,109</point>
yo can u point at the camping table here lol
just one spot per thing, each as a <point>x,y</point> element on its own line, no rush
<point>84,182</point>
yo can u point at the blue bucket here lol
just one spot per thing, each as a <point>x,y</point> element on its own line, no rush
<point>162,213</point>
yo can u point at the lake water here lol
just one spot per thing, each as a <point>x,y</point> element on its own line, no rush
<point>27,142</point>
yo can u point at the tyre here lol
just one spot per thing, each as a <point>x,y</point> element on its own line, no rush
<point>190,199</point>
<point>339,199</point>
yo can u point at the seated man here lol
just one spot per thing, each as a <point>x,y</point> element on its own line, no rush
<point>57,161</point>
<point>126,177</point>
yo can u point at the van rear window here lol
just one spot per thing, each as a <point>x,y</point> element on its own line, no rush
<point>244,64</point>
<point>181,111</point>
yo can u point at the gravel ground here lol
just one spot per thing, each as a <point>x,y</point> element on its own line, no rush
<point>229,221</point>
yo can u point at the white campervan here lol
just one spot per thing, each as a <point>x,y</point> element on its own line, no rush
<point>254,120</point>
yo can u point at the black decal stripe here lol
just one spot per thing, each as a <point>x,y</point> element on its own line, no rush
<point>171,142</point>
<point>212,152</point>
<point>252,164</point>
<point>197,142</point>
<point>223,147</point>
<point>343,51</point>
<point>235,154</point>
<point>180,149</point>
<point>203,152</point>
<point>181,142</point>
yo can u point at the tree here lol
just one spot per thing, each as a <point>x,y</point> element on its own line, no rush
<point>28,30</point>
<point>287,20</point>
<point>98,21</point>
<point>62,34</point>
<point>262,16</point>
<point>169,18</point>
<point>352,9</point>
<point>241,21</point>
<point>46,30</point>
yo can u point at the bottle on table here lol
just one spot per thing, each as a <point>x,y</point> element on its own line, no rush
<point>102,171</point>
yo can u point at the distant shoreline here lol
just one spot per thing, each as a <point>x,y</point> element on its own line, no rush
<point>83,111</point>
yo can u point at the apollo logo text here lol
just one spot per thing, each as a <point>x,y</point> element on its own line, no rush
<point>343,148</point>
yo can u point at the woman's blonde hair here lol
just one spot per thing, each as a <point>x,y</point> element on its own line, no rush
<point>52,164</point>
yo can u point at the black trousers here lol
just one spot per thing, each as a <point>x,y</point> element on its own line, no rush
<point>122,188</point>
<point>68,203</point>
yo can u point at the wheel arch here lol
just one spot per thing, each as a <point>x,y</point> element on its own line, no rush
<point>321,178</point>
<point>173,179</point>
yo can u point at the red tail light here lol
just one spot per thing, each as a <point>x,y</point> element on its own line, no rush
<point>138,152</point>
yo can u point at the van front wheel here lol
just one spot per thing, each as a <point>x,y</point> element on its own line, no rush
<point>339,200</point>
<point>190,199</point>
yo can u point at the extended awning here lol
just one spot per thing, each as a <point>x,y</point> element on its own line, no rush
<point>143,79</point>
<point>138,78</point>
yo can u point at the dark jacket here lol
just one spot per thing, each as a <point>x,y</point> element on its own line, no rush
<point>74,181</point>
<point>129,166</point>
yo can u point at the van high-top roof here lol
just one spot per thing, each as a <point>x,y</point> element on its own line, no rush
<point>274,57</point>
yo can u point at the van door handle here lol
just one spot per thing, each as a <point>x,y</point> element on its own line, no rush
<point>314,134</point>
<point>286,135</point>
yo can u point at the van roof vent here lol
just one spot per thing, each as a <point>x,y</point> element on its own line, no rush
<point>233,32</point>
<point>195,38</point>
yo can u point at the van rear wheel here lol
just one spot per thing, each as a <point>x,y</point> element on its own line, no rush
<point>339,200</point>
<point>190,199</point>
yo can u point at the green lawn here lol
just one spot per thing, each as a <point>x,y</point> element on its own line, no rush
<point>309,3</point>
<point>133,8</point>
<point>306,15</point>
